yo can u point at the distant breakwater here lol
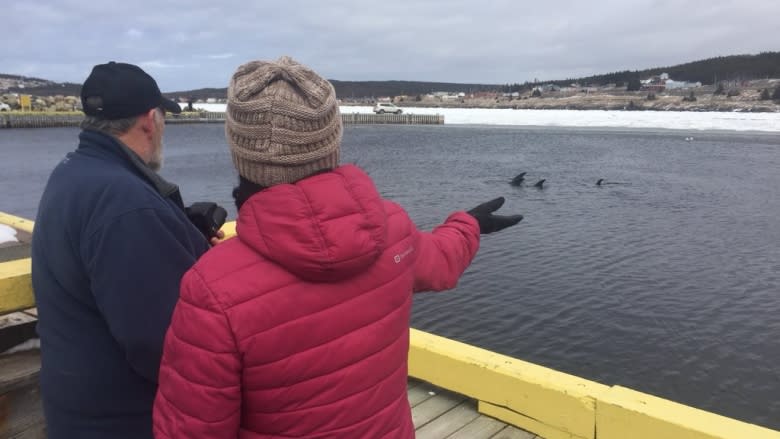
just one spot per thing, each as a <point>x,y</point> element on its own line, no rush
<point>50,120</point>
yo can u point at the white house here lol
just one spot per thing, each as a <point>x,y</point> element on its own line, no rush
<point>672,84</point>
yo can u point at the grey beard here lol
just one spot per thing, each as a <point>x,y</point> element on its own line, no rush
<point>156,164</point>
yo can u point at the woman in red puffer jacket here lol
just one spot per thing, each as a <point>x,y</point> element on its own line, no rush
<point>299,327</point>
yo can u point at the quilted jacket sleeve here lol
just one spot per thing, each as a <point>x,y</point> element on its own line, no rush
<point>199,394</point>
<point>446,252</point>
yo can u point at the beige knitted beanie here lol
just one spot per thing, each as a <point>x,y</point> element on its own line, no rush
<point>282,122</point>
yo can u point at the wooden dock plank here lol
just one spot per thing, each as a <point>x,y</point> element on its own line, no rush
<point>21,414</point>
<point>434,407</point>
<point>482,427</point>
<point>13,252</point>
<point>19,370</point>
<point>510,432</point>
<point>441,415</point>
<point>449,422</point>
<point>16,318</point>
<point>16,328</point>
<point>411,384</point>
<point>419,393</point>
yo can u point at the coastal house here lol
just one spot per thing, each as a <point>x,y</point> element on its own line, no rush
<point>548,88</point>
<point>654,83</point>
<point>672,84</point>
<point>448,96</point>
<point>664,82</point>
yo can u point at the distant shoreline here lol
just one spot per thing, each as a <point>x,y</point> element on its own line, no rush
<point>612,106</point>
<point>605,102</point>
<point>690,121</point>
<point>698,99</point>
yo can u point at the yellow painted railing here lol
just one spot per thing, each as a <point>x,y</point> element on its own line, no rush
<point>15,286</point>
<point>16,222</point>
<point>552,404</point>
<point>15,282</point>
<point>556,405</point>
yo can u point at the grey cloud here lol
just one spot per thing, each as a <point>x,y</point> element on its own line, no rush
<point>195,43</point>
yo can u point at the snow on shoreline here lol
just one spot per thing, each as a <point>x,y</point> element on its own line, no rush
<point>7,234</point>
<point>681,120</point>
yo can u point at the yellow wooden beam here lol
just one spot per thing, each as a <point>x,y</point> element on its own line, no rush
<point>15,281</point>
<point>15,286</point>
<point>518,420</point>
<point>26,225</point>
<point>625,413</point>
<point>229,228</point>
<point>554,399</point>
<point>17,222</point>
<point>556,405</point>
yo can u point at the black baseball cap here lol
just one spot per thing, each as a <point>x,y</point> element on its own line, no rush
<point>119,90</point>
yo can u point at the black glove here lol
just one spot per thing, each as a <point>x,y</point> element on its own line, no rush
<point>489,223</point>
<point>208,217</point>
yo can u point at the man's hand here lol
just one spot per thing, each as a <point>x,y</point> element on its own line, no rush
<point>214,240</point>
<point>208,218</point>
<point>489,223</point>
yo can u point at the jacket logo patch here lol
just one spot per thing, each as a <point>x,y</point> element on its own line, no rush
<point>397,258</point>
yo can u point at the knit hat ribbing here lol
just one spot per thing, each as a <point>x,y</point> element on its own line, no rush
<point>282,122</point>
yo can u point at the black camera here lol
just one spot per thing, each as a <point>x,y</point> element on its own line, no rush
<point>208,217</point>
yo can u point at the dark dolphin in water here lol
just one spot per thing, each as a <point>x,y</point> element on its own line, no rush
<point>518,180</point>
<point>598,183</point>
<point>540,184</point>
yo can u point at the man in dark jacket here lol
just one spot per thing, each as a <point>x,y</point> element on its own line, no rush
<point>111,243</point>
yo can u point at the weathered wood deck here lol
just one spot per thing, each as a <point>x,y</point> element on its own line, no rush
<point>21,414</point>
<point>440,414</point>
<point>436,413</point>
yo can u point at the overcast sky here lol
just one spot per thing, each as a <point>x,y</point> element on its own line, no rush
<point>187,44</point>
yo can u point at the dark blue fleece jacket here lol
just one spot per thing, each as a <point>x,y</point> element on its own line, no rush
<point>110,245</point>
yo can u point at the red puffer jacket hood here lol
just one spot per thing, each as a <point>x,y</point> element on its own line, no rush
<point>299,327</point>
<point>325,228</point>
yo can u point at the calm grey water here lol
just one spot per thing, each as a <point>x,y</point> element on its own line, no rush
<point>668,283</point>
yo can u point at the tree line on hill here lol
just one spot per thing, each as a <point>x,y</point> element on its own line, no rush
<point>707,71</point>
<point>17,77</point>
<point>49,89</point>
<point>362,89</point>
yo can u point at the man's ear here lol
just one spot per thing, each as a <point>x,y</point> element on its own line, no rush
<point>148,121</point>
